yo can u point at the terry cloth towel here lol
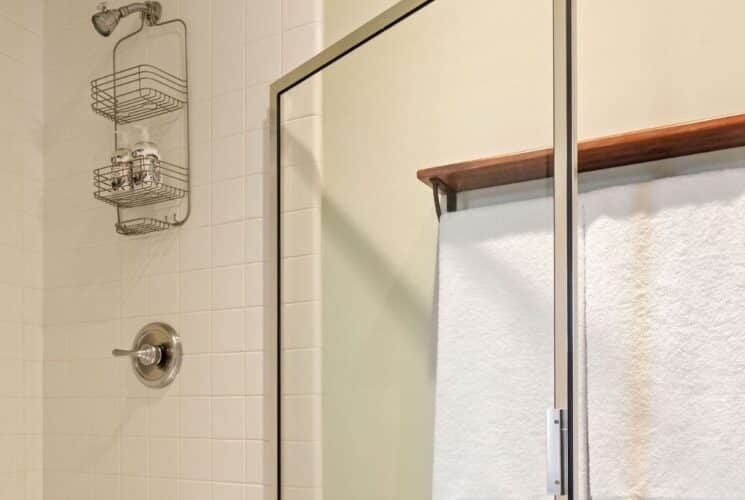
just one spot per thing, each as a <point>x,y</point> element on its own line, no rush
<point>495,352</point>
<point>665,333</point>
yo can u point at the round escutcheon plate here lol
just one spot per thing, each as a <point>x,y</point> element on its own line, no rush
<point>165,338</point>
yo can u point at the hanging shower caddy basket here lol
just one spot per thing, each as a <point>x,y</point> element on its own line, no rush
<point>138,93</point>
<point>132,95</point>
<point>144,181</point>
<point>141,225</point>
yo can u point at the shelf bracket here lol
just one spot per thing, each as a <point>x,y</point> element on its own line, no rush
<point>451,197</point>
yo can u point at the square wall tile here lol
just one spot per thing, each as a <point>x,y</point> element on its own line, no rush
<point>227,491</point>
<point>263,18</point>
<point>164,489</point>
<point>301,464</point>
<point>228,374</point>
<point>228,157</point>
<point>303,100</point>
<point>228,68</point>
<point>228,114</point>
<point>195,490</point>
<point>301,325</point>
<point>196,459</point>
<point>228,460</point>
<point>197,14</point>
<point>301,280</point>
<point>195,331</point>
<point>228,201</point>
<point>254,284</point>
<point>134,456</point>
<point>163,293</point>
<point>257,147</point>
<point>254,366</point>
<point>301,418</point>
<point>201,209</point>
<point>196,416</point>
<point>201,162</point>
<point>301,144</point>
<point>254,421</point>
<point>301,372</point>
<point>228,287</point>
<point>255,462</point>
<point>196,290</point>
<point>254,328</point>
<point>301,233</point>
<point>228,23</point>
<point>257,107</point>
<point>195,248</point>
<point>164,417</point>
<point>254,190</point>
<point>254,239</point>
<point>163,457</point>
<point>228,331</point>
<point>228,244</point>
<point>301,187</point>
<point>196,376</point>
<point>299,12</point>
<point>263,60</point>
<point>228,418</point>
<point>300,44</point>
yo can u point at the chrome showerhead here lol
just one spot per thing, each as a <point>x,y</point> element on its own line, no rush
<point>105,20</point>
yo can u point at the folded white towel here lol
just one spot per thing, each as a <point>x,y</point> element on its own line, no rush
<point>495,352</point>
<point>665,320</point>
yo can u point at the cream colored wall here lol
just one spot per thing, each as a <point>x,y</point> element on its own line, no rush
<point>462,80</point>
<point>21,243</point>
<point>408,99</point>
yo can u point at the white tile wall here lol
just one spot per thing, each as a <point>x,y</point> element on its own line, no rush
<point>301,283</point>
<point>21,251</point>
<point>106,436</point>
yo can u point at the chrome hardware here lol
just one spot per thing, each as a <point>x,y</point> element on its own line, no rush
<point>147,355</point>
<point>156,355</point>
<point>556,452</point>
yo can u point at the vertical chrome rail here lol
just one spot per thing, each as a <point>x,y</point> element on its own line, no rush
<point>565,234</point>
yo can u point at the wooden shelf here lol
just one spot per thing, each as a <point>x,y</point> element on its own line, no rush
<point>595,154</point>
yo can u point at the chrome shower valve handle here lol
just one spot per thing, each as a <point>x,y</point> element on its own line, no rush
<point>147,355</point>
<point>155,355</point>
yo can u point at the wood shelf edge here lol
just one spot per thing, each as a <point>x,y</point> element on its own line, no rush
<point>627,148</point>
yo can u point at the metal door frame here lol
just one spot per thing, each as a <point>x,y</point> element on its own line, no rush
<point>565,194</point>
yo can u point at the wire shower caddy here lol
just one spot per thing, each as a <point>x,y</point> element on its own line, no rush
<point>132,95</point>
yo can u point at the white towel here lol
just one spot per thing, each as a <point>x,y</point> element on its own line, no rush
<point>665,326</point>
<point>495,352</point>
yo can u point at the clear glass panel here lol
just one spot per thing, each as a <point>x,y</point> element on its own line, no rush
<point>417,357</point>
<point>662,258</point>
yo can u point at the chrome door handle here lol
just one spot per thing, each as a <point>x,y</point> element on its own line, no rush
<point>147,355</point>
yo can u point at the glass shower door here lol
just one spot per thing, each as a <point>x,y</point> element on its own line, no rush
<point>417,354</point>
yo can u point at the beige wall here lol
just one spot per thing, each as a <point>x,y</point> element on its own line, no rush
<point>407,100</point>
<point>21,242</point>
<point>458,81</point>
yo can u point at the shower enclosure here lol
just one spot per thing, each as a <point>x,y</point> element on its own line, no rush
<point>358,315</point>
<point>454,320</point>
<point>418,266</point>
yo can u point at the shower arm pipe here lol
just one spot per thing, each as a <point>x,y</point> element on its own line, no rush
<point>132,8</point>
<point>187,165</point>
